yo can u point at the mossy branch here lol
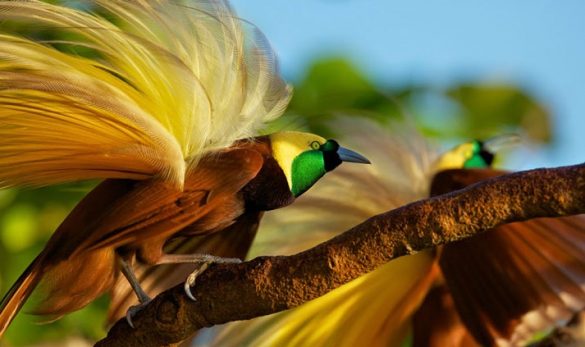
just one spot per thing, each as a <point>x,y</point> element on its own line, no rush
<point>266,285</point>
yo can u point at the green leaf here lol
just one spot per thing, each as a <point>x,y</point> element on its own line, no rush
<point>334,86</point>
<point>486,109</point>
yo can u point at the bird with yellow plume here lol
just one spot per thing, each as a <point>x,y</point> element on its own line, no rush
<point>164,101</point>
<point>502,287</point>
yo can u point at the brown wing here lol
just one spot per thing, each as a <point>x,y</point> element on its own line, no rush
<point>153,208</point>
<point>86,213</point>
<point>437,323</point>
<point>518,279</point>
<point>119,212</point>
<point>233,242</point>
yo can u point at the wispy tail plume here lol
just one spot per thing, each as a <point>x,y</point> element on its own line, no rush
<point>20,291</point>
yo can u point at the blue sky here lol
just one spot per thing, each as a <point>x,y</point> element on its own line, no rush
<point>535,43</point>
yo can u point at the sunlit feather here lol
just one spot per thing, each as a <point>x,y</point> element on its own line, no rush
<point>166,82</point>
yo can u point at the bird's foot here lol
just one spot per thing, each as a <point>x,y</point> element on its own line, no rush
<point>194,259</point>
<point>212,259</point>
<point>133,310</point>
<point>190,282</point>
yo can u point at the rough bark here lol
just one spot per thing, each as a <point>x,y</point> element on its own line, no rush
<point>265,285</point>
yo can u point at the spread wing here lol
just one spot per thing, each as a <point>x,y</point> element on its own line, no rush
<point>134,89</point>
<point>153,209</point>
<point>436,323</point>
<point>518,279</point>
<point>233,242</point>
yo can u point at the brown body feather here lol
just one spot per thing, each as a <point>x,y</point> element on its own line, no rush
<point>143,220</point>
<point>437,323</point>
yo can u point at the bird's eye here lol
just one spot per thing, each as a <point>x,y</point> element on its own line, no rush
<point>315,145</point>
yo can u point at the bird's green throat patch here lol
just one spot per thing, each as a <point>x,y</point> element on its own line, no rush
<point>475,161</point>
<point>307,169</point>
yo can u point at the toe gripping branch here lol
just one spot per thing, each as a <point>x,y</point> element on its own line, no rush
<point>204,259</point>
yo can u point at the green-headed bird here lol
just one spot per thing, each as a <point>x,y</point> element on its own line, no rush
<point>165,104</point>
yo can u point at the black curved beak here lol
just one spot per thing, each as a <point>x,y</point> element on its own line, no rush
<point>351,156</point>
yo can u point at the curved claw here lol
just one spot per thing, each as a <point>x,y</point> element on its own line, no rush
<point>190,281</point>
<point>132,310</point>
<point>187,287</point>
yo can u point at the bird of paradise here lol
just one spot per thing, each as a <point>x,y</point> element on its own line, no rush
<point>164,101</point>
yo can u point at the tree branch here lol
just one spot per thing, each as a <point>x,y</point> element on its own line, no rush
<point>266,285</point>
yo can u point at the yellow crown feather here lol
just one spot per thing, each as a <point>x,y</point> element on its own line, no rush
<point>167,82</point>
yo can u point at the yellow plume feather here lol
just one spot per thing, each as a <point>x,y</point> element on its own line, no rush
<point>166,82</point>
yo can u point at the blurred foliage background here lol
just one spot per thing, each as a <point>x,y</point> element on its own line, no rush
<point>331,86</point>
